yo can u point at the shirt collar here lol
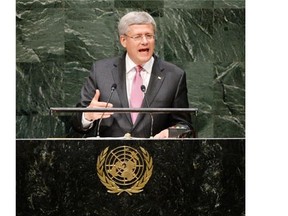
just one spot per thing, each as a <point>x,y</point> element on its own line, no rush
<point>130,64</point>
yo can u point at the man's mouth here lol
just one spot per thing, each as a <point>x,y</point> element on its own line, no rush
<point>144,50</point>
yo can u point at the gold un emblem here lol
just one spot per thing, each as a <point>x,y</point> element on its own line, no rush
<point>124,169</point>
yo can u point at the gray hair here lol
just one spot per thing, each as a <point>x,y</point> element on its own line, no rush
<point>135,18</point>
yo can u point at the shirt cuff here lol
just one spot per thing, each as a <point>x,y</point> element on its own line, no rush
<point>86,123</point>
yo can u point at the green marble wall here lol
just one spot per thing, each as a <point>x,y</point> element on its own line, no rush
<point>57,41</point>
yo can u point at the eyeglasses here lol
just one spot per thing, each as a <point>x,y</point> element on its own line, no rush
<point>138,38</point>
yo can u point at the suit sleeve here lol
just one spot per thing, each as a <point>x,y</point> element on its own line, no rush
<point>87,93</point>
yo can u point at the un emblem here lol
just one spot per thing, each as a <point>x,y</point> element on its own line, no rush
<point>124,169</point>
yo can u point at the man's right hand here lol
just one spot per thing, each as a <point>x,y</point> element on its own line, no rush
<point>95,103</point>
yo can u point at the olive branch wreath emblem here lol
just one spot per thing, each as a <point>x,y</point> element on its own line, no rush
<point>112,186</point>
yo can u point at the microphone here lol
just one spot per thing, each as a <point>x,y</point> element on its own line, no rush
<point>113,88</point>
<point>143,89</point>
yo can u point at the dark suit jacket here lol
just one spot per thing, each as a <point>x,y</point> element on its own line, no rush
<point>167,89</point>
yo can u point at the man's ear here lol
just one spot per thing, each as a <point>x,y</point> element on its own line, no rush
<point>123,41</point>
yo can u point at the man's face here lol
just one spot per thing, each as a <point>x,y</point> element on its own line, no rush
<point>139,48</point>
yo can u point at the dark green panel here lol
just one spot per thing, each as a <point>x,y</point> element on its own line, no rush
<point>229,3</point>
<point>39,86</point>
<point>188,34</point>
<point>189,4</point>
<point>229,88</point>
<point>200,94</point>
<point>100,4</point>
<point>229,100</point>
<point>148,5</point>
<point>89,34</point>
<point>229,126</point>
<point>40,35</point>
<point>74,77</point>
<point>31,5</point>
<point>229,35</point>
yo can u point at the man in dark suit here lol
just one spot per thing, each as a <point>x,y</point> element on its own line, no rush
<point>165,84</point>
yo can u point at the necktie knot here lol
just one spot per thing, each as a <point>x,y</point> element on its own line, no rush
<point>138,69</point>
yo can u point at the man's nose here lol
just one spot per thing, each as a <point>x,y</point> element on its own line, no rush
<point>144,40</point>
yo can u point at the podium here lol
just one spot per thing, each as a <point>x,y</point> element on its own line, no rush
<point>105,176</point>
<point>190,177</point>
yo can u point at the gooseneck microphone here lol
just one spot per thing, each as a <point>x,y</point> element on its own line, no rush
<point>143,89</point>
<point>113,88</point>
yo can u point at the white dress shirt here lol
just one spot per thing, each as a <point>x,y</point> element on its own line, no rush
<point>131,71</point>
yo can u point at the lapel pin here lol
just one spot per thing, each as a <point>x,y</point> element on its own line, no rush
<point>159,78</point>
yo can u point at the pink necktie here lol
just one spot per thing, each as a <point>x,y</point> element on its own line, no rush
<point>136,93</point>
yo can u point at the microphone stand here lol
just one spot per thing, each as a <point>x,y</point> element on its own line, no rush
<point>143,89</point>
<point>113,88</point>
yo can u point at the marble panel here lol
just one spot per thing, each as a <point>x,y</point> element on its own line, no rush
<point>229,126</point>
<point>188,33</point>
<point>140,4</point>
<point>97,4</point>
<point>40,35</point>
<point>38,86</point>
<point>32,4</point>
<point>229,35</point>
<point>229,3</point>
<point>89,34</point>
<point>229,100</point>
<point>41,126</point>
<point>75,74</point>
<point>200,94</point>
<point>189,4</point>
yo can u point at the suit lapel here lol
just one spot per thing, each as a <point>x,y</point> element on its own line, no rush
<point>119,77</point>
<point>156,81</point>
